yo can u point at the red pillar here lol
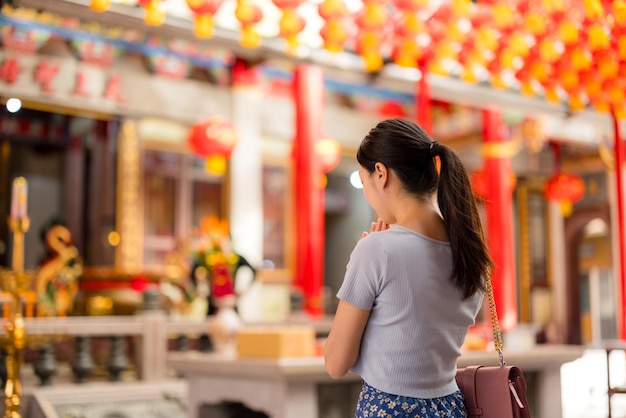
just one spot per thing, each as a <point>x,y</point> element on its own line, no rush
<point>499,206</point>
<point>619,181</point>
<point>309,191</point>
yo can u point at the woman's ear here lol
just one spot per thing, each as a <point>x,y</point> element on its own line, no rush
<point>380,171</point>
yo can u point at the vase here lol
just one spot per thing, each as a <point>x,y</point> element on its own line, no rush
<point>224,325</point>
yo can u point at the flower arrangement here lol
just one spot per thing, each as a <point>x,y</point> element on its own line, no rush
<point>213,255</point>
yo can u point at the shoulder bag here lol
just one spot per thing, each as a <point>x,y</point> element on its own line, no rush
<point>494,391</point>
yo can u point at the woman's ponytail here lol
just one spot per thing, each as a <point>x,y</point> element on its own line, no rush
<point>459,208</point>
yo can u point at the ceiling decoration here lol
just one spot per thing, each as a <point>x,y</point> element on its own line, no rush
<point>570,52</point>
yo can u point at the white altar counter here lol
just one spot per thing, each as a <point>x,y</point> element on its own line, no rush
<point>288,387</point>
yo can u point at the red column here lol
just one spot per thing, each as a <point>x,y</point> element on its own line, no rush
<point>499,206</point>
<point>619,181</point>
<point>309,192</point>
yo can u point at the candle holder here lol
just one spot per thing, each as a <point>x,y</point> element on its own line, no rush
<point>16,283</point>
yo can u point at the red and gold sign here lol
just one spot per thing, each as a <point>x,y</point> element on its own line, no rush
<point>204,10</point>
<point>566,189</point>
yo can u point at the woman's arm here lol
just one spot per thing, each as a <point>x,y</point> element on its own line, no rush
<point>341,349</point>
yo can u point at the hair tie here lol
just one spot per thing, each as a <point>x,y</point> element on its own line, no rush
<point>433,149</point>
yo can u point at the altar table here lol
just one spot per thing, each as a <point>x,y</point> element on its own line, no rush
<point>289,387</point>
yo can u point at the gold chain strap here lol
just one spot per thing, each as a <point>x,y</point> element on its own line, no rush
<point>495,324</point>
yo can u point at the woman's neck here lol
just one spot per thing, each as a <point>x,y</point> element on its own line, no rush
<point>422,216</point>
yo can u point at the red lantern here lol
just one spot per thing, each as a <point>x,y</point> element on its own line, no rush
<point>153,15</point>
<point>406,51</point>
<point>328,151</point>
<point>100,5</point>
<point>391,109</point>
<point>204,10</point>
<point>291,23</point>
<point>566,189</point>
<point>333,32</point>
<point>249,14</point>
<point>371,22</point>
<point>478,180</point>
<point>211,137</point>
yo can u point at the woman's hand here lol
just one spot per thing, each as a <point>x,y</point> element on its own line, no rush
<point>377,226</point>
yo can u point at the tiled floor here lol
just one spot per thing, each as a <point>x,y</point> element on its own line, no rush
<point>584,384</point>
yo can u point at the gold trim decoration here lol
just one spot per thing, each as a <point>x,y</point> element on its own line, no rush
<point>129,252</point>
<point>16,283</point>
<point>501,149</point>
<point>524,245</point>
<point>607,157</point>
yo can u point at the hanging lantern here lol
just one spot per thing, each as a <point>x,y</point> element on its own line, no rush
<point>391,109</point>
<point>593,9</point>
<point>214,139</point>
<point>333,32</point>
<point>328,151</point>
<point>291,23</point>
<point>566,189</point>
<point>204,10</point>
<point>503,16</point>
<point>371,22</point>
<point>100,5</point>
<point>216,165</point>
<point>406,51</point>
<point>533,134</point>
<point>153,15</point>
<point>249,14</point>
<point>478,180</point>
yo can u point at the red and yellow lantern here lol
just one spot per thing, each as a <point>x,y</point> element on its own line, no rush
<point>328,152</point>
<point>214,139</point>
<point>407,52</point>
<point>291,23</point>
<point>333,32</point>
<point>478,180</point>
<point>371,22</point>
<point>100,5</point>
<point>248,14</point>
<point>566,189</point>
<point>204,10</point>
<point>153,15</point>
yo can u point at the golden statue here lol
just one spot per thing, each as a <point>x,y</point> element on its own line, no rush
<point>57,278</point>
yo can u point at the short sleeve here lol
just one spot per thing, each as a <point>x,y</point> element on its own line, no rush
<point>364,273</point>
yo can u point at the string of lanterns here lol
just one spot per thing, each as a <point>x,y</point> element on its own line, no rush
<point>567,51</point>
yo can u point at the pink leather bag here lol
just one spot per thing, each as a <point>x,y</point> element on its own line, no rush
<point>494,391</point>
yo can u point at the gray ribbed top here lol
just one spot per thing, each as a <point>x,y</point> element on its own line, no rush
<point>418,319</point>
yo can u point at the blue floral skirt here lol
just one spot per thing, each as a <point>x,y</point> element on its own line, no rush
<point>374,403</point>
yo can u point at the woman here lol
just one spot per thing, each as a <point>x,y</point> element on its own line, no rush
<point>411,291</point>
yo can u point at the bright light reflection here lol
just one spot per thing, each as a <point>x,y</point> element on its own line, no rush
<point>13,104</point>
<point>355,180</point>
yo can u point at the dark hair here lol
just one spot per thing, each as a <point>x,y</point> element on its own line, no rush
<point>404,147</point>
